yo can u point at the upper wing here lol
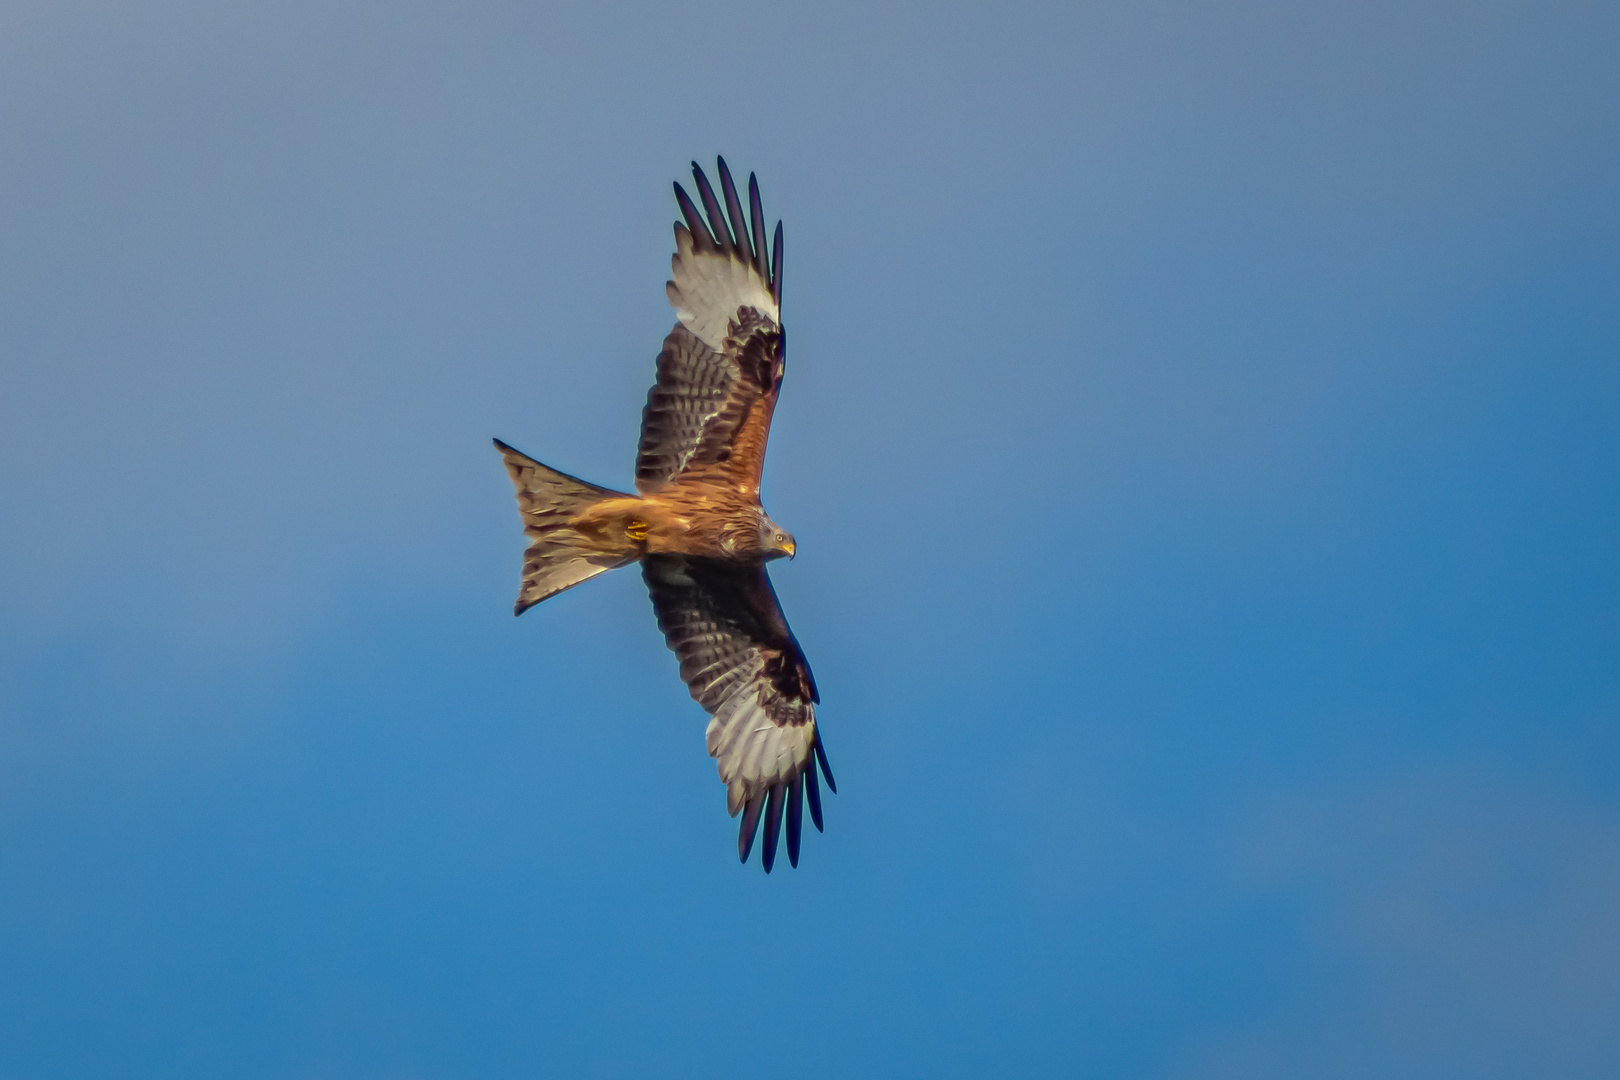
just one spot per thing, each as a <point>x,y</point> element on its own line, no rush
<point>742,664</point>
<point>720,368</point>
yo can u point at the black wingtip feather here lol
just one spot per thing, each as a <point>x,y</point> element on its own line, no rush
<point>795,818</point>
<point>821,756</point>
<point>750,824</point>
<point>739,225</point>
<point>776,264</point>
<point>773,827</point>
<point>812,794</point>
<point>694,221</point>
<point>756,215</point>
<point>717,219</point>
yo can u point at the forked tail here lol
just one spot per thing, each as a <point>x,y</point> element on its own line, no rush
<point>559,556</point>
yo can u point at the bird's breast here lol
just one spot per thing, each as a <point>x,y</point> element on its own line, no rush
<point>693,522</point>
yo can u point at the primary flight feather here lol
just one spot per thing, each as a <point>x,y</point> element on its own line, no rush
<point>696,524</point>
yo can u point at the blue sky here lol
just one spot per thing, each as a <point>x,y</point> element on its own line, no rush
<point>1202,436</point>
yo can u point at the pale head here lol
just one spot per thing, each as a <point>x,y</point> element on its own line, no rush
<point>774,541</point>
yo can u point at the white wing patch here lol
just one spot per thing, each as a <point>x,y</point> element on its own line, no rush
<point>710,286</point>
<point>753,752</point>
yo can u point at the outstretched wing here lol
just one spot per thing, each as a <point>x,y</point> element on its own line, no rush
<point>742,664</point>
<point>709,413</point>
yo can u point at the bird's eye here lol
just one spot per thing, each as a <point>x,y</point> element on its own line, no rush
<point>780,537</point>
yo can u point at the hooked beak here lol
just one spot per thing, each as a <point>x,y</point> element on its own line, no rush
<point>790,547</point>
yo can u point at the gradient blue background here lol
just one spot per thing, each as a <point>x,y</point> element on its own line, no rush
<point>1203,439</point>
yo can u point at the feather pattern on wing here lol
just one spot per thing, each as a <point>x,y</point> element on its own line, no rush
<point>740,661</point>
<point>694,385</point>
<point>713,273</point>
<point>708,417</point>
<point>709,411</point>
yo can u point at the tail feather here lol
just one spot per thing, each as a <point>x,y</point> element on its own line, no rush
<point>559,556</point>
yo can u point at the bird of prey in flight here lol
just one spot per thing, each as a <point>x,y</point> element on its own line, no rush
<point>696,525</point>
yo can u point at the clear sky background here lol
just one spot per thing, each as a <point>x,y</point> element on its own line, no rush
<point>1202,434</point>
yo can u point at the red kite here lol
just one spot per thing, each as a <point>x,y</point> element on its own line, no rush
<point>697,526</point>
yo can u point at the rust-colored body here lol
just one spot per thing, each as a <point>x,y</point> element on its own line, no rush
<point>701,520</point>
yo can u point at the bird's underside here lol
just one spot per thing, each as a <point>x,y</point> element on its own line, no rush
<point>695,523</point>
